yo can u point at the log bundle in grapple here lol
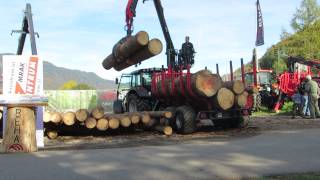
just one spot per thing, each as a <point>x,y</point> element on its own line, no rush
<point>132,50</point>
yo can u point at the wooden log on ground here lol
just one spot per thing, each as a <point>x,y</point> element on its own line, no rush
<point>90,123</point>
<point>235,86</point>
<point>145,118</point>
<point>114,123</point>
<point>134,117</point>
<point>69,118</point>
<point>52,134</point>
<point>56,117</point>
<point>153,48</point>
<point>125,121</point>
<point>81,115</point>
<point>224,99</point>
<point>241,100</point>
<point>98,112</point>
<point>102,124</point>
<point>20,130</point>
<point>166,130</point>
<point>159,114</point>
<point>47,116</point>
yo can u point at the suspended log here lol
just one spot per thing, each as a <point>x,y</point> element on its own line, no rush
<point>56,117</point>
<point>153,48</point>
<point>81,115</point>
<point>159,114</point>
<point>46,116</point>
<point>241,100</point>
<point>69,118</point>
<point>90,123</point>
<point>20,130</point>
<point>224,99</point>
<point>166,130</point>
<point>52,134</point>
<point>130,45</point>
<point>98,112</point>
<point>114,123</point>
<point>109,62</point>
<point>235,86</point>
<point>102,124</point>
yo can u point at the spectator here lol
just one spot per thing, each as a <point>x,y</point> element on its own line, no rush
<point>297,103</point>
<point>305,98</point>
<point>312,89</point>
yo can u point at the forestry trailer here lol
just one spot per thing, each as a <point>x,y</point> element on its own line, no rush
<point>191,97</point>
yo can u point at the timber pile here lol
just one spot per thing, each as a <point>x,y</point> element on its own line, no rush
<point>132,50</point>
<point>96,121</point>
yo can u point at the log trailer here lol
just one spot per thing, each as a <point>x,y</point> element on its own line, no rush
<point>191,97</point>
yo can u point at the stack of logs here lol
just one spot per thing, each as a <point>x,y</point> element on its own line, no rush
<point>205,90</point>
<point>132,50</point>
<point>97,120</point>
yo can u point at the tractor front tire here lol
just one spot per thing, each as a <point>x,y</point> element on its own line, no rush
<point>185,120</point>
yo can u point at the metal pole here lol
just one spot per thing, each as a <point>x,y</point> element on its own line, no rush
<point>242,72</point>
<point>28,14</point>
<point>231,71</point>
<point>217,69</point>
<point>254,60</point>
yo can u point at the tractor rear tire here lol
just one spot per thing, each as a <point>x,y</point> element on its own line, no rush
<point>185,120</point>
<point>135,103</point>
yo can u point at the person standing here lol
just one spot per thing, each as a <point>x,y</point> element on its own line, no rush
<point>187,52</point>
<point>305,98</point>
<point>312,89</point>
<point>297,102</point>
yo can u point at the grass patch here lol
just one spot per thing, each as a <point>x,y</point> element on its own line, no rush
<point>286,110</point>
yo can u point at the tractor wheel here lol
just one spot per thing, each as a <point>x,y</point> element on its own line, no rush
<point>135,103</point>
<point>185,120</point>
<point>117,107</point>
<point>257,102</point>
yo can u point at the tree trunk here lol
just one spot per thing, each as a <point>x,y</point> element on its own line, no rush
<point>241,100</point>
<point>125,121</point>
<point>52,134</point>
<point>46,117</point>
<point>235,86</point>
<point>109,62</point>
<point>114,123</point>
<point>224,99</point>
<point>81,115</point>
<point>102,124</point>
<point>69,118</point>
<point>154,48</point>
<point>20,130</point>
<point>166,130</point>
<point>145,118</point>
<point>90,123</point>
<point>98,112</point>
<point>56,117</point>
<point>134,117</point>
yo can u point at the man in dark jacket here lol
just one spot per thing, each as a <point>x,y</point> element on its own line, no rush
<point>187,52</point>
<point>312,88</point>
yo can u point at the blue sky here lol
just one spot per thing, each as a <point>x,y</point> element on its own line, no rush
<point>79,34</point>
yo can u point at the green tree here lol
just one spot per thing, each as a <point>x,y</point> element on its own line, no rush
<point>69,85</point>
<point>307,14</point>
<point>83,86</point>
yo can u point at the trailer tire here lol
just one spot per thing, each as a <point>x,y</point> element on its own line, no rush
<point>117,107</point>
<point>135,103</point>
<point>185,120</point>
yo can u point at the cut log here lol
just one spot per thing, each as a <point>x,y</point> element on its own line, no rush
<point>114,123</point>
<point>47,116</point>
<point>109,62</point>
<point>224,99</point>
<point>241,100</point>
<point>166,130</point>
<point>159,114</point>
<point>102,124</point>
<point>51,134</point>
<point>125,121</point>
<point>20,130</point>
<point>98,112</point>
<point>69,118</point>
<point>81,115</point>
<point>135,118</point>
<point>145,118</point>
<point>90,123</point>
<point>235,86</point>
<point>131,45</point>
<point>56,117</point>
<point>154,48</point>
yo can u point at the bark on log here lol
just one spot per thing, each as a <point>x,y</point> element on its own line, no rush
<point>241,100</point>
<point>159,114</point>
<point>90,123</point>
<point>166,130</point>
<point>98,112</point>
<point>109,62</point>
<point>56,117</point>
<point>224,99</point>
<point>52,134</point>
<point>20,130</point>
<point>47,116</point>
<point>102,124</point>
<point>69,118</point>
<point>154,48</point>
<point>81,115</point>
<point>235,86</point>
<point>114,123</point>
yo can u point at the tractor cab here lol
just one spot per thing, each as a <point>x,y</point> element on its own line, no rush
<point>264,78</point>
